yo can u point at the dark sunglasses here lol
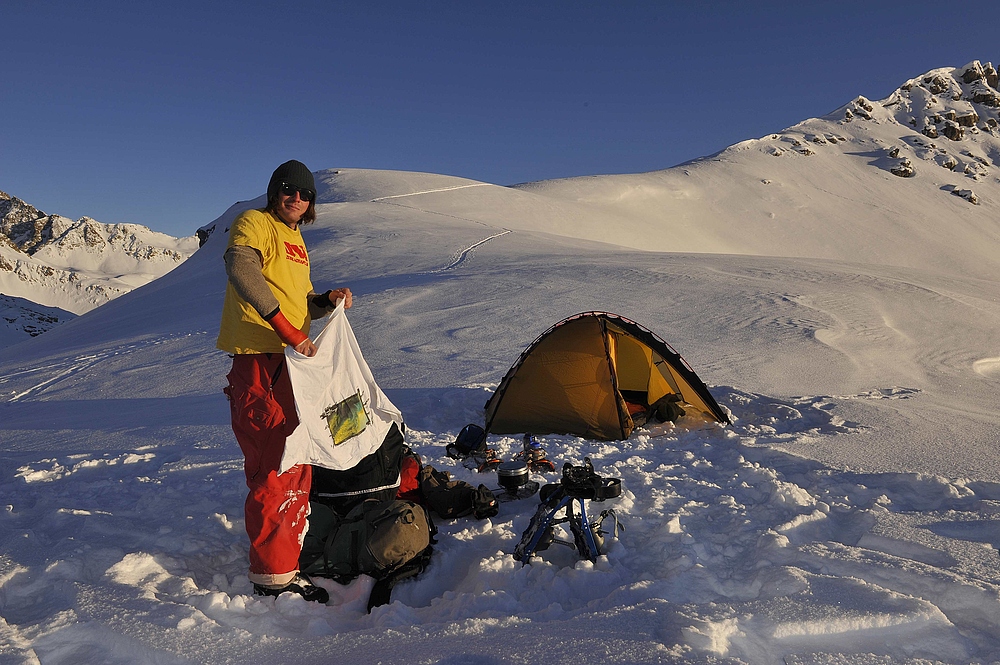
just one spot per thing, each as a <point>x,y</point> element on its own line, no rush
<point>304,193</point>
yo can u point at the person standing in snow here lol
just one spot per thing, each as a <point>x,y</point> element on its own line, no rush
<point>268,305</point>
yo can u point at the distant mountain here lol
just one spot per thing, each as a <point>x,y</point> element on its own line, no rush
<point>77,266</point>
<point>22,319</point>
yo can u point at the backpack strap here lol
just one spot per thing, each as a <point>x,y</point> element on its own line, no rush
<point>337,522</point>
<point>383,585</point>
<point>277,370</point>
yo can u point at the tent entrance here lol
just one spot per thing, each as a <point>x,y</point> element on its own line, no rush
<point>643,375</point>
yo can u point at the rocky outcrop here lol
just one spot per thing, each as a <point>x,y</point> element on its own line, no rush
<point>967,119</point>
<point>966,194</point>
<point>952,130</point>
<point>977,71</point>
<point>985,95</point>
<point>904,169</point>
<point>949,162</point>
<point>982,81</point>
<point>861,107</point>
<point>937,85</point>
<point>22,318</point>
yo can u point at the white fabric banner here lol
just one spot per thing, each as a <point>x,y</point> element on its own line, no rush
<point>343,414</point>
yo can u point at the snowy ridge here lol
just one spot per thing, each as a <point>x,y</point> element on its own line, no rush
<point>844,187</point>
<point>79,265</point>
<point>848,515</point>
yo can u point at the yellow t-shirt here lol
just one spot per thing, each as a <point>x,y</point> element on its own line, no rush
<point>286,271</point>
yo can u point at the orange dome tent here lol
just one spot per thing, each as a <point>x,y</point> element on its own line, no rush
<point>587,374</point>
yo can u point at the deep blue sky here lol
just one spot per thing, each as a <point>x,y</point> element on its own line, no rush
<point>166,113</point>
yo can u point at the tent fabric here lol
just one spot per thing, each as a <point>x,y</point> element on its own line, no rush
<point>572,380</point>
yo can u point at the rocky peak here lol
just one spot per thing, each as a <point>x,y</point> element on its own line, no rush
<point>29,229</point>
<point>954,103</point>
<point>78,265</point>
<point>976,71</point>
<point>11,205</point>
<point>941,129</point>
<point>22,224</point>
<point>33,232</point>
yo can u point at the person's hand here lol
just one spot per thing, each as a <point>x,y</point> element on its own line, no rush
<point>306,348</point>
<point>345,293</point>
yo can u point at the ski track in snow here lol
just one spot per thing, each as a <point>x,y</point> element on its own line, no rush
<point>431,191</point>
<point>724,544</point>
<point>57,372</point>
<point>464,254</point>
<point>51,374</point>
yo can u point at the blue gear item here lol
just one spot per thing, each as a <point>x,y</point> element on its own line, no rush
<point>579,483</point>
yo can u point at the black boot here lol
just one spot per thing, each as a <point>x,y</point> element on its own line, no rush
<point>300,584</point>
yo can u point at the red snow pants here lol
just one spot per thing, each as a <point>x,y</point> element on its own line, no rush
<point>263,414</point>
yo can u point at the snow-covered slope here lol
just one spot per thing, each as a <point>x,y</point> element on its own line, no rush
<point>79,265</point>
<point>855,185</point>
<point>845,187</point>
<point>848,514</point>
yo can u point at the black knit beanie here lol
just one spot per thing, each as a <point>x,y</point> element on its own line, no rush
<point>292,172</point>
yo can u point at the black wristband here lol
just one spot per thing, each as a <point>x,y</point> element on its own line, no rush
<point>323,300</point>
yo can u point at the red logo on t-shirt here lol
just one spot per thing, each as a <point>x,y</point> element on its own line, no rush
<point>296,253</point>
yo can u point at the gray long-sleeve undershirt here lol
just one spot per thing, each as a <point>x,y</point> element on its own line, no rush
<point>244,266</point>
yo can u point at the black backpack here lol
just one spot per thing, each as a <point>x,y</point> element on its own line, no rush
<point>470,441</point>
<point>450,498</point>
<point>388,540</point>
<point>351,510</point>
<point>376,476</point>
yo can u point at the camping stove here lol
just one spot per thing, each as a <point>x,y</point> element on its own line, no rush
<point>512,476</point>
